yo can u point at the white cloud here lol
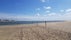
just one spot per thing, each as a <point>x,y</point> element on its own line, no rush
<point>54,14</point>
<point>48,7</point>
<point>38,14</point>
<point>47,11</point>
<point>43,0</point>
<point>68,10</point>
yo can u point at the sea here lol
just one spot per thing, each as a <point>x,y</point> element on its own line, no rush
<point>26,22</point>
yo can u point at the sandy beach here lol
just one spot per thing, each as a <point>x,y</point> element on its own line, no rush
<point>52,31</point>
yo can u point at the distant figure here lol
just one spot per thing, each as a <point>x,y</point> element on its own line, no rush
<point>0,20</point>
<point>45,23</point>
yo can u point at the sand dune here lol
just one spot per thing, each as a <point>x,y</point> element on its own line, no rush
<point>52,31</point>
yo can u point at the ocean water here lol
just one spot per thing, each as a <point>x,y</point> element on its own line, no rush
<point>25,22</point>
<point>19,22</point>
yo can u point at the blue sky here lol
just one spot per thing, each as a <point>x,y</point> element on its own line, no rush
<point>35,9</point>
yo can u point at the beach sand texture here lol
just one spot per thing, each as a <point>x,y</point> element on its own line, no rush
<point>52,31</point>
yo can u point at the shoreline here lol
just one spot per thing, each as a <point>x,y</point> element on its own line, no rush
<point>64,26</point>
<point>26,22</point>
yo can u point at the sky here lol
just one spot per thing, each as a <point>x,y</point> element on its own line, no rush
<point>33,10</point>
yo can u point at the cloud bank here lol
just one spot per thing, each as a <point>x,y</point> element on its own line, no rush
<point>38,16</point>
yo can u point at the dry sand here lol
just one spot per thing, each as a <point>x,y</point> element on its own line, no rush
<point>52,31</point>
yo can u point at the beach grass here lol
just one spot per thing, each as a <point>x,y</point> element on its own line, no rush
<point>52,31</point>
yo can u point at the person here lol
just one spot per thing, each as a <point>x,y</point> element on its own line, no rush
<point>45,23</point>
